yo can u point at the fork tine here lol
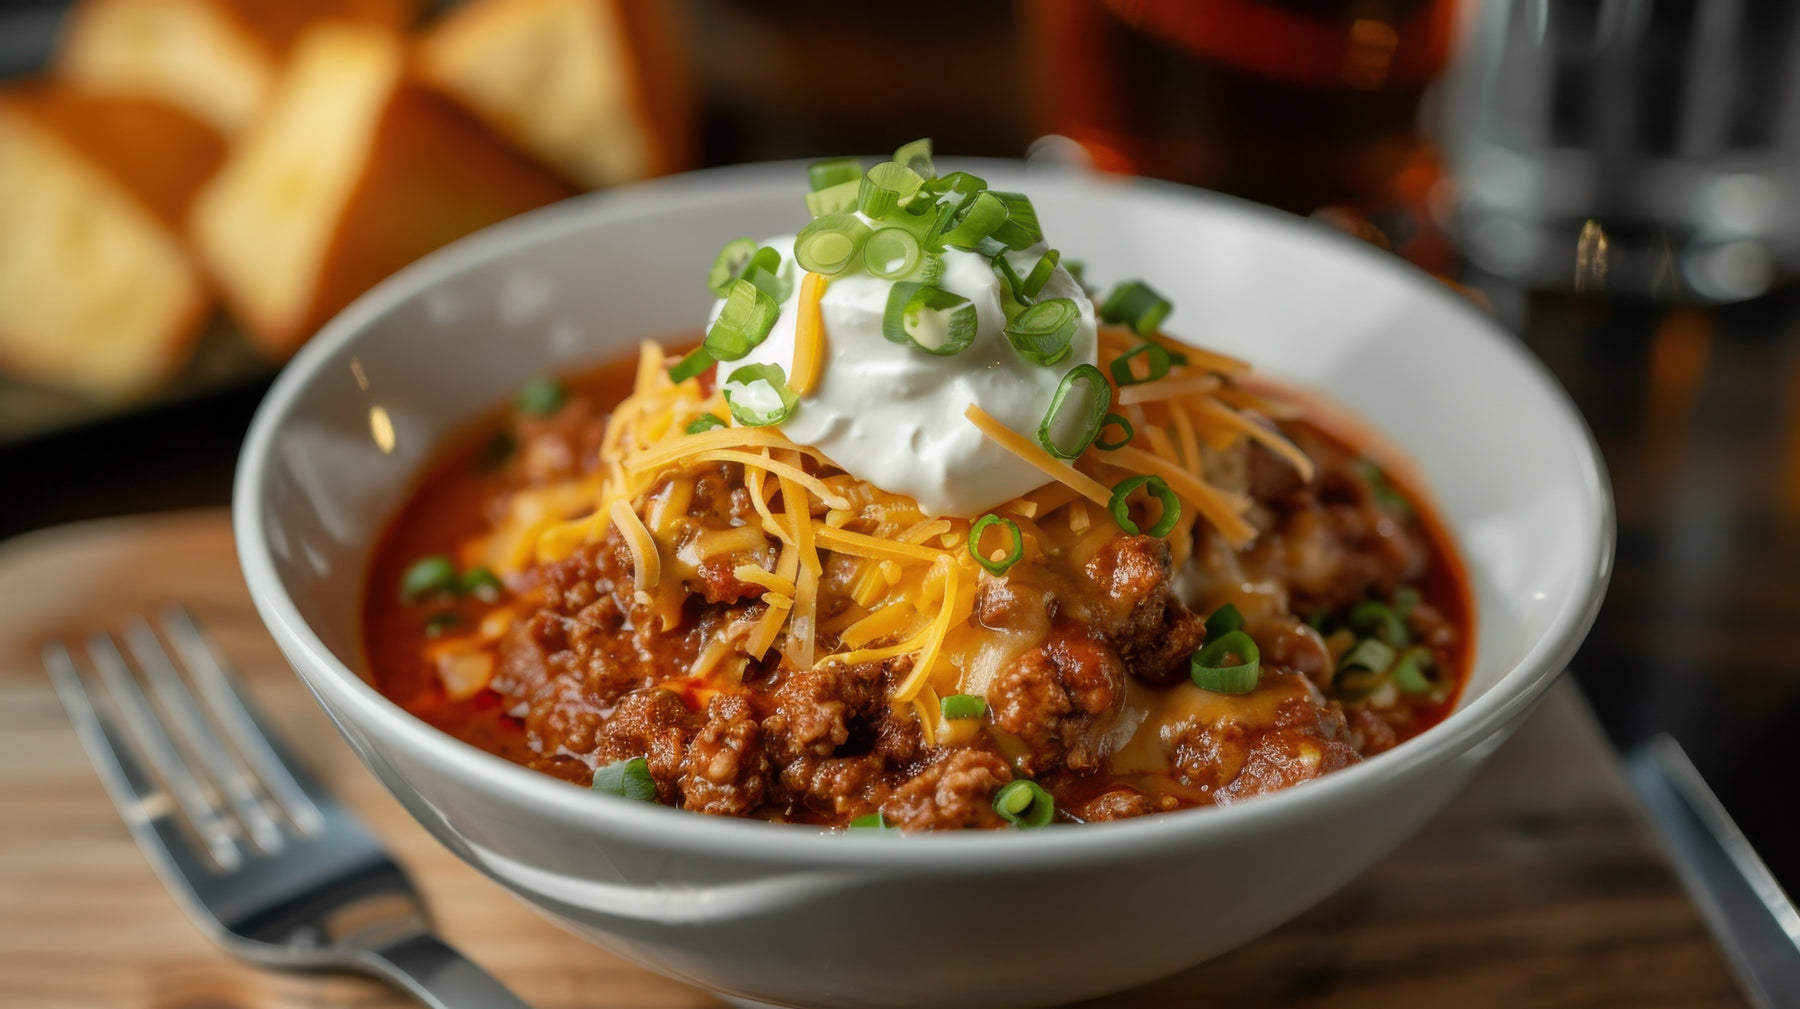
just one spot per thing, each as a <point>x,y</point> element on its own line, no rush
<point>178,701</point>
<point>160,751</point>
<point>285,781</point>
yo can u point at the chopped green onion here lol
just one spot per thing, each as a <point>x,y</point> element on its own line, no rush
<point>541,397</point>
<point>1155,355</point>
<point>831,245</point>
<point>1223,621</point>
<point>885,188</point>
<point>697,361</point>
<point>917,156</point>
<point>744,322</point>
<point>998,567</point>
<point>929,318</point>
<point>1024,803</point>
<point>964,706</point>
<point>1044,333</point>
<point>872,821</point>
<point>629,779</point>
<point>1135,305</point>
<point>1409,671</point>
<point>1069,427</point>
<point>764,270</point>
<point>483,584</point>
<point>1211,669</point>
<point>1120,505</point>
<point>1372,654</point>
<point>1114,420</point>
<point>428,576</point>
<point>892,253</point>
<point>1406,598</point>
<point>1012,285</point>
<point>833,172</point>
<point>1378,618</point>
<point>975,221</point>
<point>1040,274</point>
<point>441,621</point>
<point>776,379</point>
<point>728,264</point>
<point>704,422</point>
<point>1078,270</point>
<point>949,196</point>
<point>1020,230</point>
<point>838,199</point>
<point>1383,490</point>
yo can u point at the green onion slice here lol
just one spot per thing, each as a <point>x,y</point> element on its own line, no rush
<point>1372,654</point>
<point>1020,230</point>
<point>872,821</point>
<point>764,270</point>
<point>776,379</point>
<point>885,188</point>
<point>441,621</point>
<point>838,199</point>
<point>1410,671</point>
<point>975,221</point>
<point>744,322</point>
<point>1120,505</point>
<point>429,576</point>
<point>929,318</point>
<point>832,244</point>
<point>949,196</point>
<point>692,365</point>
<point>833,172</point>
<point>1040,274</point>
<point>704,422</point>
<point>998,567</point>
<point>1024,803</point>
<point>1212,668</point>
<point>1382,488</point>
<point>629,779</point>
<point>541,397</point>
<point>1156,356</point>
<point>1071,425</point>
<point>1406,598</point>
<point>483,584</point>
<point>728,264</point>
<point>1379,619</point>
<point>1044,333</point>
<point>1110,445</point>
<point>1223,621</point>
<point>1135,305</point>
<point>917,156</point>
<point>963,706</point>
<point>892,253</point>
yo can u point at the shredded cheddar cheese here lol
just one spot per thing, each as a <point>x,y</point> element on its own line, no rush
<point>809,335</point>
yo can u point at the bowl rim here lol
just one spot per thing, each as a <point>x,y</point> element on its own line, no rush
<point>954,851</point>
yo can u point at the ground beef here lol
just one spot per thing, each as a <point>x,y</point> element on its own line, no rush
<point>725,771</point>
<point>655,724</point>
<point>1054,697</point>
<point>1233,758</point>
<point>1119,804</point>
<point>954,789</point>
<point>1136,611</point>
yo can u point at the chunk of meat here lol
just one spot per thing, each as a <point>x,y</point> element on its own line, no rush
<point>815,709</point>
<point>1136,610</point>
<point>1262,747</point>
<point>1057,699</point>
<point>1119,804</point>
<point>655,724</point>
<point>954,789</point>
<point>725,770</point>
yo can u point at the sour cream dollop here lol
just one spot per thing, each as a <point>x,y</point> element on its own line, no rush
<point>892,415</point>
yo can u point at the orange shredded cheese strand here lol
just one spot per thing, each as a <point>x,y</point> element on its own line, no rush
<point>809,335</point>
<point>682,446</point>
<point>768,625</point>
<point>875,548</point>
<point>646,560</point>
<point>934,635</point>
<point>1268,437</point>
<point>1173,387</point>
<point>781,469</point>
<point>1018,445</point>
<point>754,575</point>
<point>891,619</point>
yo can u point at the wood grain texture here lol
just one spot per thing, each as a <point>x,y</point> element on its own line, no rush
<point>1539,887</point>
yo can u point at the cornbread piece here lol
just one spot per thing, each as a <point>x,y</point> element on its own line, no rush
<point>218,59</point>
<point>96,291</point>
<point>351,173</point>
<point>593,88</point>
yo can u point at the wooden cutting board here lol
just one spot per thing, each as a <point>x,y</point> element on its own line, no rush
<point>1541,886</point>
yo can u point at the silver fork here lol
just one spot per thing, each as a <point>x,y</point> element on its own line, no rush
<point>262,858</point>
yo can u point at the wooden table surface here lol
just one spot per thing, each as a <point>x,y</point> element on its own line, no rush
<point>1540,886</point>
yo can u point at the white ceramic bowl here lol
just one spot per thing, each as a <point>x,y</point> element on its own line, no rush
<point>800,917</point>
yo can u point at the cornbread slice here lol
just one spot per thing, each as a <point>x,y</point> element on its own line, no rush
<point>351,173</point>
<point>218,59</point>
<point>97,293</point>
<point>593,88</point>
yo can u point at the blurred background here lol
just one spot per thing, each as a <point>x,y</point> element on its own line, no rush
<point>189,187</point>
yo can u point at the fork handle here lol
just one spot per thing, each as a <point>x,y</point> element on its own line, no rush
<point>437,975</point>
